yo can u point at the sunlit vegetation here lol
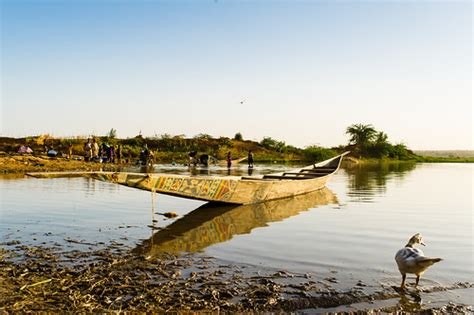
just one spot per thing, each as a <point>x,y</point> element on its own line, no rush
<point>433,159</point>
<point>365,143</point>
<point>446,153</point>
<point>315,153</point>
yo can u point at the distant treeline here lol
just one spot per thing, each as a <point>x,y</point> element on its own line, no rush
<point>446,153</point>
<point>365,142</point>
<point>368,143</point>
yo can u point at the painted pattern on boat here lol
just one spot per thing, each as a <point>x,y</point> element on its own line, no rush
<point>212,188</point>
<point>219,189</point>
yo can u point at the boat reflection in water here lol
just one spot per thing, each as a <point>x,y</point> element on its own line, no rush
<point>215,223</point>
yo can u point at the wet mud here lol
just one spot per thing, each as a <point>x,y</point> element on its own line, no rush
<point>113,278</point>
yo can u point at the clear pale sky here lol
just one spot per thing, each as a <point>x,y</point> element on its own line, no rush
<point>305,70</point>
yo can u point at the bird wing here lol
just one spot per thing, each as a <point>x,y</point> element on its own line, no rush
<point>409,252</point>
<point>408,256</point>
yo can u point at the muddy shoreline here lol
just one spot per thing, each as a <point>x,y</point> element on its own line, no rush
<point>18,164</point>
<point>112,278</point>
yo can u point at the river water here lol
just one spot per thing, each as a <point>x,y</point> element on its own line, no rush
<point>349,231</point>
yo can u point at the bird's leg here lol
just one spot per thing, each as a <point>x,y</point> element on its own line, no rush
<point>402,286</point>
<point>417,280</point>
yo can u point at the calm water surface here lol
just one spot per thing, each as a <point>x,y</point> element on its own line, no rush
<point>350,231</point>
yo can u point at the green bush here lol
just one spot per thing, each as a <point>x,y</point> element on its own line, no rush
<point>137,141</point>
<point>238,136</point>
<point>271,144</point>
<point>316,154</point>
<point>399,151</point>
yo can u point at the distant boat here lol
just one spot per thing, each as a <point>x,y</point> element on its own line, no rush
<point>214,223</point>
<point>228,189</point>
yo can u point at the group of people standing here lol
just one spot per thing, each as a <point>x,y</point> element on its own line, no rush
<point>104,153</point>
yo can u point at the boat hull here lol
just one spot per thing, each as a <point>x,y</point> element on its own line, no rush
<point>217,189</point>
<point>227,189</point>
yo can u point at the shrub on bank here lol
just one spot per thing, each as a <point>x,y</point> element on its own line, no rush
<point>316,154</point>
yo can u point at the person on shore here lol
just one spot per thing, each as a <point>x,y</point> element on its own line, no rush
<point>144,155</point>
<point>95,150</point>
<point>88,150</point>
<point>112,153</point>
<point>250,159</point>
<point>193,158</point>
<point>229,160</point>
<point>118,154</point>
<point>151,157</point>
<point>105,153</point>
<point>204,160</point>
<point>69,149</point>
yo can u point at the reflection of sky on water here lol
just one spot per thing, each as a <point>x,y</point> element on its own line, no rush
<point>80,209</point>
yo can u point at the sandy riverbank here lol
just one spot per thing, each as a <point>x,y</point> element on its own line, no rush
<point>17,163</point>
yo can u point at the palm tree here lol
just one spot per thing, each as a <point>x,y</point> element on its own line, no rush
<point>381,138</point>
<point>361,136</point>
<point>381,147</point>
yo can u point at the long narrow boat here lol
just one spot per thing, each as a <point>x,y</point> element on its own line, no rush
<point>228,189</point>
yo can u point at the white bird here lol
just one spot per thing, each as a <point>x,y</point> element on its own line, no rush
<point>412,260</point>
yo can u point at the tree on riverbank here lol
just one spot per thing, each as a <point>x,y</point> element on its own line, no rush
<point>366,142</point>
<point>361,135</point>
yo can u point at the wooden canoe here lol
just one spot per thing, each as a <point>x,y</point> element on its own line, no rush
<point>228,189</point>
<point>214,223</point>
